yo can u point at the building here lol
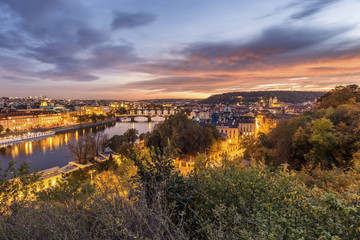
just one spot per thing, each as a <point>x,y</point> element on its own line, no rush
<point>49,119</point>
<point>19,121</point>
<point>232,126</point>
<point>28,120</point>
<point>247,126</point>
<point>96,110</point>
<point>230,132</point>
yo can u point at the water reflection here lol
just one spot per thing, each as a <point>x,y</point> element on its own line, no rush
<point>52,151</point>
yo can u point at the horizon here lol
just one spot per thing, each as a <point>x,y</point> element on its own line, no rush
<point>140,49</point>
<point>150,99</point>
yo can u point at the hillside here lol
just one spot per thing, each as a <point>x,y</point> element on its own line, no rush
<point>252,97</point>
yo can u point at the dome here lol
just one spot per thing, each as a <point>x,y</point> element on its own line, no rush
<point>227,110</point>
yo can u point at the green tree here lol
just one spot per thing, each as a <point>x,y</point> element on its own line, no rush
<point>163,182</point>
<point>1,128</point>
<point>115,142</point>
<point>340,95</point>
<point>322,141</point>
<point>19,187</point>
<point>131,135</point>
<point>301,147</point>
<point>185,136</point>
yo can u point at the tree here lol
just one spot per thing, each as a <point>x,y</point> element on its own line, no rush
<point>340,95</point>
<point>131,135</point>
<point>115,142</point>
<point>322,141</point>
<point>7,130</point>
<point>1,128</point>
<point>157,175</point>
<point>301,146</point>
<point>21,185</point>
<point>185,136</point>
<point>83,149</point>
<point>101,142</point>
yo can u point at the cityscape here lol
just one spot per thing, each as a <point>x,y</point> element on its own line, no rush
<point>142,119</point>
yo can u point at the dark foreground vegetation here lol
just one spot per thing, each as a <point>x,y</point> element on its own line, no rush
<point>157,202</point>
<point>292,189</point>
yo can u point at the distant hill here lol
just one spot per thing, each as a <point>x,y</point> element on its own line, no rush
<point>252,97</point>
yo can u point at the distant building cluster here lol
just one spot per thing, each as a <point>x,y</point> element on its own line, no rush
<point>238,121</point>
<point>233,121</point>
<point>24,114</point>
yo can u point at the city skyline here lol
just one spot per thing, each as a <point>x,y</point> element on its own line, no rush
<point>138,49</point>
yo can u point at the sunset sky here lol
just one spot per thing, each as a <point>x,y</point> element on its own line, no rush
<point>143,49</point>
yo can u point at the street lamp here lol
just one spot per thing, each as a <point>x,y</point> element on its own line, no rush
<point>91,175</point>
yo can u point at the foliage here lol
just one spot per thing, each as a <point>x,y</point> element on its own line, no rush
<point>2,128</point>
<point>155,172</point>
<point>88,146</point>
<point>324,136</point>
<point>185,136</point>
<point>259,203</point>
<point>226,202</point>
<point>339,96</point>
<point>123,144</point>
<point>20,187</point>
<point>254,97</point>
<point>94,117</point>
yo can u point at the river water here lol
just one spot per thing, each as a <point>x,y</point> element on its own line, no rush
<point>53,151</point>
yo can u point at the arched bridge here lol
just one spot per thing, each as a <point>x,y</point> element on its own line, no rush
<point>133,118</point>
<point>134,114</point>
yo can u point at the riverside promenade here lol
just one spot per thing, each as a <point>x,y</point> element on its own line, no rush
<point>60,129</point>
<point>82,125</point>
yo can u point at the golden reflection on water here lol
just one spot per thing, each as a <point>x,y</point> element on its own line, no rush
<point>50,144</point>
<point>30,148</point>
<point>15,152</point>
<point>27,148</point>
<point>57,142</point>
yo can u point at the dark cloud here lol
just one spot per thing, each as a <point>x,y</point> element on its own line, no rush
<point>310,7</point>
<point>239,65</point>
<point>176,84</point>
<point>276,46</point>
<point>17,79</point>
<point>59,35</point>
<point>112,56</point>
<point>131,20</point>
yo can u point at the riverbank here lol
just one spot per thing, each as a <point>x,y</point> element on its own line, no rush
<point>82,125</point>
<point>60,129</point>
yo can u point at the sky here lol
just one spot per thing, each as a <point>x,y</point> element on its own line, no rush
<point>150,49</point>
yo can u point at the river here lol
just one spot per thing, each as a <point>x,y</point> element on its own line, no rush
<point>53,151</point>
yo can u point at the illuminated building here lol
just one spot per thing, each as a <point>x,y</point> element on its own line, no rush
<point>96,110</point>
<point>19,121</point>
<point>23,121</point>
<point>49,119</point>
